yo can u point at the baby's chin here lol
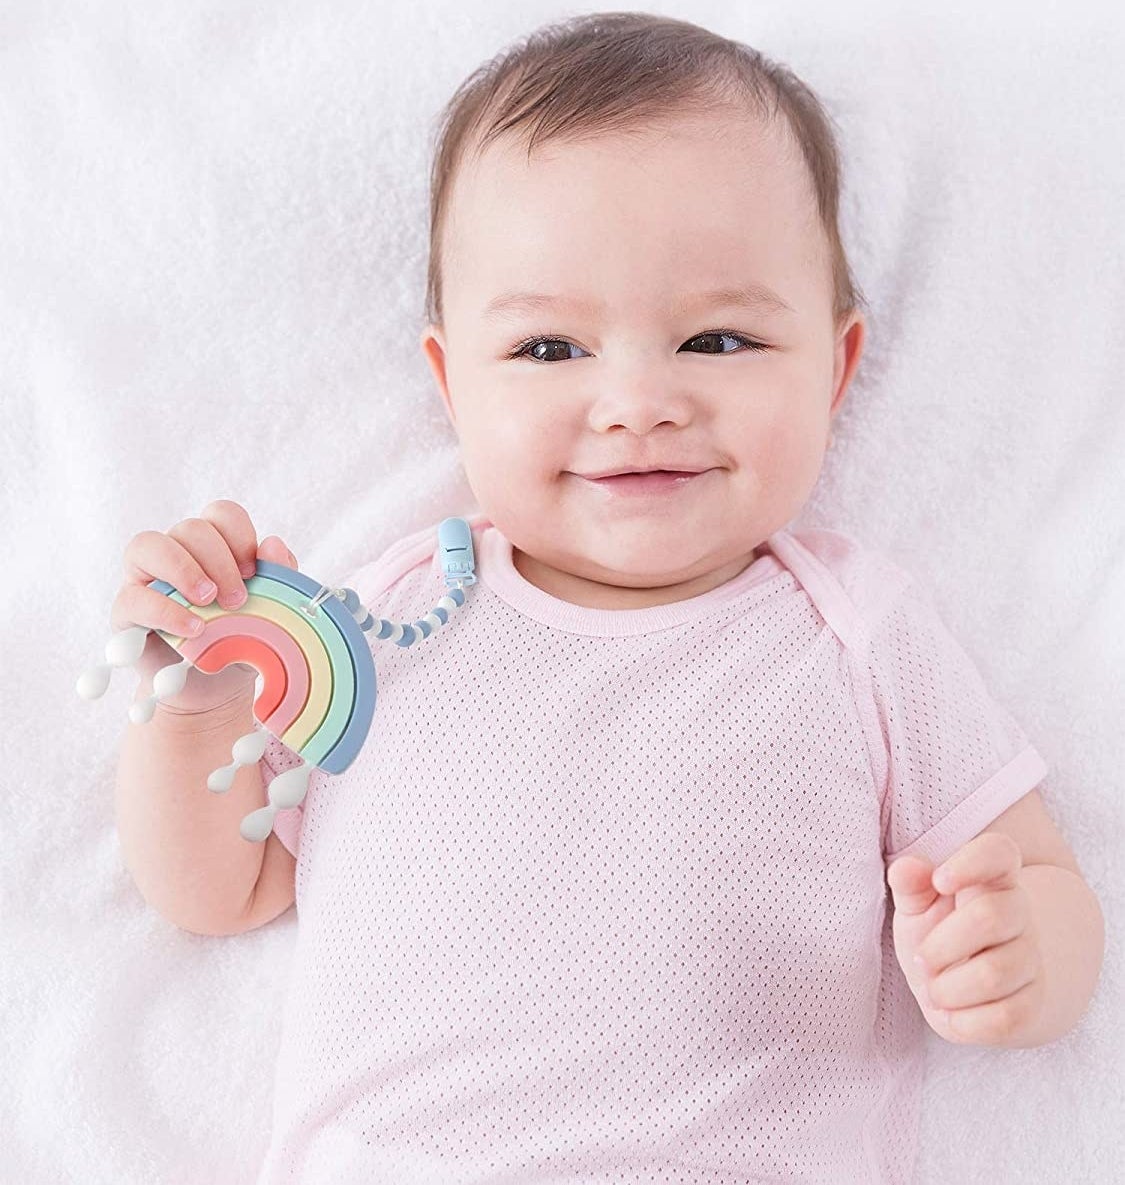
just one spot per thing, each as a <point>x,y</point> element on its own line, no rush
<point>597,583</point>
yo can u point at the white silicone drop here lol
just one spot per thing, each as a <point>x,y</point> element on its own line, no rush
<point>142,711</point>
<point>288,789</point>
<point>126,646</point>
<point>249,748</point>
<point>170,679</point>
<point>257,825</point>
<point>220,780</point>
<point>122,650</point>
<point>93,682</point>
<point>245,751</point>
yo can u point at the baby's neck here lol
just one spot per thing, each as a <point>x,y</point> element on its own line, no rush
<point>590,594</point>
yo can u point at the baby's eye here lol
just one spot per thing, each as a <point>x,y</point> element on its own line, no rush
<point>535,342</point>
<point>715,335</point>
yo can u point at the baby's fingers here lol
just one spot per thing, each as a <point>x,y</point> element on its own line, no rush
<point>274,551</point>
<point>206,557</point>
<point>910,879</point>
<point>139,604</point>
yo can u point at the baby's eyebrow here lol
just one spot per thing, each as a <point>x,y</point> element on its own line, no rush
<point>756,297</point>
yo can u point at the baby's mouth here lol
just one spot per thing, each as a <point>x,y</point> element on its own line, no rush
<point>656,482</point>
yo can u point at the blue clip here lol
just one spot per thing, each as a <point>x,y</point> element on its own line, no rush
<point>456,542</point>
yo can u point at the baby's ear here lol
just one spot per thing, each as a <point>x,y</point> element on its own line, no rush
<point>849,349</point>
<point>433,347</point>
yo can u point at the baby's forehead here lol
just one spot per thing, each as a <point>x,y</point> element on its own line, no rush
<point>737,170</point>
<point>635,184</point>
<point>673,209</point>
<point>722,135</point>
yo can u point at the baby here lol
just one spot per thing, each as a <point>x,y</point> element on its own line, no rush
<point>629,881</point>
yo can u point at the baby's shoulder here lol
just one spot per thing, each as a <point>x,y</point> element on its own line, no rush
<point>395,562</point>
<point>852,583</point>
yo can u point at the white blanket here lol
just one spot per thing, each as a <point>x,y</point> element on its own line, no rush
<point>212,263</point>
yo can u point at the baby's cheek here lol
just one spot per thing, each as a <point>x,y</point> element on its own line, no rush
<point>512,489</point>
<point>787,454</point>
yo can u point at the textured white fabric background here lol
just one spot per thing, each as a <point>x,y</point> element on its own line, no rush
<point>212,264</point>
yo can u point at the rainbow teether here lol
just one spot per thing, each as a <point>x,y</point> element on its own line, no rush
<point>307,643</point>
<point>319,693</point>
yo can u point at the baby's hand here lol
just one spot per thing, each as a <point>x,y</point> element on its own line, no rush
<point>982,977</point>
<point>221,546</point>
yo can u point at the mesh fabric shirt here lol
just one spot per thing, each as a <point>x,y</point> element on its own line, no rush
<point>603,897</point>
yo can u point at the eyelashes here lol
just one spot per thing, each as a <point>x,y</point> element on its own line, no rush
<point>749,344</point>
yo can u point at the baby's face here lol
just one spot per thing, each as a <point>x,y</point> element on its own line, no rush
<point>635,368</point>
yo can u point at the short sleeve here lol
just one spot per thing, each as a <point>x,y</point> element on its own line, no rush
<point>956,759</point>
<point>276,759</point>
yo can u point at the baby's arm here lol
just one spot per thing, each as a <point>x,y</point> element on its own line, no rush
<point>181,841</point>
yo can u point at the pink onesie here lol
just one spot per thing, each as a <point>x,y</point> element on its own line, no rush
<point>603,897</point>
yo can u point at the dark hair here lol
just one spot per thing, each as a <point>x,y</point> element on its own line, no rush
<point>613,71</point>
